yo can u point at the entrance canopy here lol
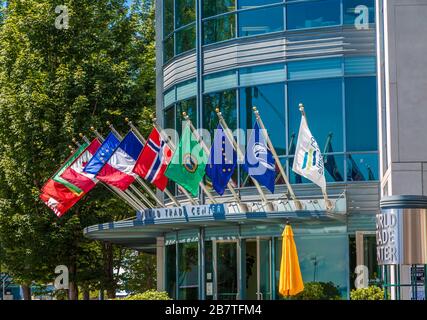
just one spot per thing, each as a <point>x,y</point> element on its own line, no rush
<point>141,233</point>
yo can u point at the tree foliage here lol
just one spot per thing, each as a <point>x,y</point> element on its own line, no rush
<point>55,83</point>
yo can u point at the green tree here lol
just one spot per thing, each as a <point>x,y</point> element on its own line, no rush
<point>139,272</point>
<point>55,83</point>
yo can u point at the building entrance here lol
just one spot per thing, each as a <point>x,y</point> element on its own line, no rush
<point>242,270</point>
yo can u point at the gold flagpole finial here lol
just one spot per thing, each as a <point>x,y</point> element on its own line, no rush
<point>301,107</point>
<point>92,128</point>
<point>74,140</point>
<point>108,123</point>
<point>70,147</point>
<point>254,109</point>
<point>127,120</point>
<point>154,119</point>
<point>81,135</point>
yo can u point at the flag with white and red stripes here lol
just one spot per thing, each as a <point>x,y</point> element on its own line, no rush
<point>154,159</point>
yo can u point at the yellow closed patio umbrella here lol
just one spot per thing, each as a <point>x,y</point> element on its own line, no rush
<point>290,282</point>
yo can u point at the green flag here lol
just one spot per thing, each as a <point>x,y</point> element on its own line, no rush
<point>188,163</point>
<point>57,176</point>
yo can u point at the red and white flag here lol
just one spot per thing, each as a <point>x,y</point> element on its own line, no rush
<point>75,174</point>
<point>153,161</point>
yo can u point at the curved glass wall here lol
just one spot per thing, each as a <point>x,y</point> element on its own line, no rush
<point>229,19</point>
<point>340,99</point>
<point>179,27</point>
<point>254,252</point>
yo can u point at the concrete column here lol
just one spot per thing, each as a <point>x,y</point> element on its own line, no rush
<point>160,253</point>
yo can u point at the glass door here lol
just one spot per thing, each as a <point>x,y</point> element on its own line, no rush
<point>258,269</point>
<point>264,269</point>
<point>225,262</point>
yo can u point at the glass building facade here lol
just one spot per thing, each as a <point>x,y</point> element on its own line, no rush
<point>273,54</point>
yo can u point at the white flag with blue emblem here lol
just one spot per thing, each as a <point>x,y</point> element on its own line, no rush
<point>308,158</point>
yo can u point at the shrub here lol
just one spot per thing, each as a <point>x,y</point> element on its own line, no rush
<point>369,293</point>
<point>149,295</point>
<point>319,291</point>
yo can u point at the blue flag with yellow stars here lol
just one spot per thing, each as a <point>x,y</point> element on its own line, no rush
<point>222,161</point>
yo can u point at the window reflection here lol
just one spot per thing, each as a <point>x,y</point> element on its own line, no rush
<point>361,113</point>
<point>313,14</point>
<point>186,39</point>
<point>188,271</point>
<point>226,102</point>
<point>246,4</point>
<point>219,29</point>
<point>260,21</point>
<point>318,262</point>
<point>323,104</point>
<point>214,7</point>
<point>190,107</point>
<point>362,167</point>
<point>168,17</point>
<point>168,50</point>
<point>185,12</point>
<point>270,101</point>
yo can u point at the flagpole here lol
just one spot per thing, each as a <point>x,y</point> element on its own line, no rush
<point>123,196</point>
<point>172,147</point>
<point>193,129</point>
<point>239,152</point>
<point>144,141</point>
<point>138,179</point>
<point>298,204</point>
<point>328,203</point>
<point>127,192</point>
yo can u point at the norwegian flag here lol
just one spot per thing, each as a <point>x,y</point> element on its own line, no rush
<point>153,160</point>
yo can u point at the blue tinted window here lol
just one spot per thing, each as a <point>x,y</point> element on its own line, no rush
<point>323,106</point>
<point>168,51</point>
<point>245,4</point>
<point>220,81</point>
<point>320,263</point>
<point>185,12</point>
<point>219,29</point>
<point>362,167</point>
<point>186,39</point>
<point>260,21</point>
<point>360,65</point>
<point>315,68</point>
<point>214,7</point>
<point>313,14</point>
<point>169,97</point>
<point>168,17</point>
<point>226,102</point>
<point>262,74</point>
<point>270,101</point>
<point>361,114</point>
<point>188,106</point>
<point>356,8</point>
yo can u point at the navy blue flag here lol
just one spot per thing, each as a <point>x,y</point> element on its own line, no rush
<point>102,155</point>
<point>222,161</point>
<point>259,161</point>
